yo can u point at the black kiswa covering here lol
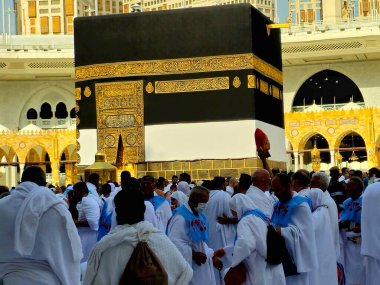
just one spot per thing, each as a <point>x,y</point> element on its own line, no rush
<point>184,33</point>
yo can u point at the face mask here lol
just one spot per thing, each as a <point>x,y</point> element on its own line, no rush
<point>201,207</point>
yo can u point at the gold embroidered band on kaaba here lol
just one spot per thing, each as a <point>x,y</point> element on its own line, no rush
<point>179,66</point>
<point>192,85</point>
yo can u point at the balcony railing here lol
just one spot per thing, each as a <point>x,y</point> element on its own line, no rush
<point>53,123</point>
<point>324,106</point>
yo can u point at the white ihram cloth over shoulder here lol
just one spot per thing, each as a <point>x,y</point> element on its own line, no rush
<point>149,215</point>
<point>251,246</point>
<point>217,206</point>
<point>88,209</point>
<point>110,256</point>
<point>177,232</point>
<point>300,242</point>
<point>220,236</point>
<point>333,214</point>
<point>93,191</point>
<point>370,228</point>
<point>326,273</point>
<point>163,214</point>
<point>261,200</point>
<point>40,244</point>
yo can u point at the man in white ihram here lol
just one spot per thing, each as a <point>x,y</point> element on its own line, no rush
<point>40,244</point>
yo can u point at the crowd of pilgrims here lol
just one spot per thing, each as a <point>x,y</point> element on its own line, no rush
<point>203,232</point>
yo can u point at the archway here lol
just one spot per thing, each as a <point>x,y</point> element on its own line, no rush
<point>329,89</point>
<point>67,165</point>
<point>38,155</point>
<point>319,142</point>
<point>353,150</point>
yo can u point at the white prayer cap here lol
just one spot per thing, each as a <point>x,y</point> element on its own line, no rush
<point>180,197</point>
<point>241,203</point>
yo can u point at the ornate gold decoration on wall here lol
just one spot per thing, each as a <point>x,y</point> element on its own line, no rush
<point>120,111</point>
<point>192,85</point>
<point>77,93</point>
<point>334,125</point>
<point>77,120</point>
<point>87,91</point>
<point>149,87</point>
<point>264,87</point>
<point>236,82</point>
<point>276,92</point>
<point>251,79</point>
<point>179,66</point>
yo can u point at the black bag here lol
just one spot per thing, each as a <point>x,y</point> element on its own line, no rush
<point>144,268</point>
<point>277,252</point>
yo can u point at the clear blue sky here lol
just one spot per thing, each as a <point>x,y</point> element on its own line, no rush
<point>8,3</point>
<point>282,10</point>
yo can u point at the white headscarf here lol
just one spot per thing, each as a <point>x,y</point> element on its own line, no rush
<point>316,196</point>
<point>180,197</point>
<point>112,187</point>
<point>184,187</point>
<point>241,203</point>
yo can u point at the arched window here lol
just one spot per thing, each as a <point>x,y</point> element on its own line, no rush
<point>61,111</point>
<point>72,113</point>
<point>327,88</point>
<point>46,112</point>
<point>31,114</point>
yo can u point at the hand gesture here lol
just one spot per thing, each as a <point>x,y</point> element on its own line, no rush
<point>199,257</point>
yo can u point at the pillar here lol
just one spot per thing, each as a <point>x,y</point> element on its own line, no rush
<point>13,175</point>
<point>296,154</point>
<point>301,159</point>
<point>22,166</point>
<point>69,174</point>
<point>54,172</point>
<point>332,160</point>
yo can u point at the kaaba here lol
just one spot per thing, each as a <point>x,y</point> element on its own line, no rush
<point>179,90</point>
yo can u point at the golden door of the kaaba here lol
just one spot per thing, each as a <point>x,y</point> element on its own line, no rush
<point>120,114</point>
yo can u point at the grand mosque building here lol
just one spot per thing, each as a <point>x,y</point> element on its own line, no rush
<point>331,87</point>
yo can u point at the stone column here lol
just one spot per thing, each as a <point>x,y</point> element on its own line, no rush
<point>22,166</point>
<point>296,154</point>
<point>13,176</point>
<point>301,159</point>
<point>332,155</point>
<point>54,172</point>
<point>69,174</point>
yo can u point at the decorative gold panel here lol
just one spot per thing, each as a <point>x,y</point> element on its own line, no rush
<point>192,85</point>
<point>179,66</point>
<point>264,87</point>
<point>276,92</point>
<point>120,112</point>
<point>236,82</point>
<point>251,81</point>
<point>149,87</point>
<point>77,94</point>
<point>87,91</point>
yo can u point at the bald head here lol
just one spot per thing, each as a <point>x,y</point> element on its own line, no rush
<point>261,179</point>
